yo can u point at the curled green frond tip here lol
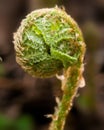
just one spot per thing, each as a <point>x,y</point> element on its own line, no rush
<point>47,41</point>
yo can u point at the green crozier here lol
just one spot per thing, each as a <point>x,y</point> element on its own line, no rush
<point>49,41</point>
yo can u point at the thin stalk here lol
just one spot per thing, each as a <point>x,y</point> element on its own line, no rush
<point>70,85</point>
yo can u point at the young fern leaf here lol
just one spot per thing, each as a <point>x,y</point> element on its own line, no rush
<point>47,42</point>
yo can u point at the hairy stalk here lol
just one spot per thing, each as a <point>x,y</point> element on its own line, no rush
<point>73,79</point>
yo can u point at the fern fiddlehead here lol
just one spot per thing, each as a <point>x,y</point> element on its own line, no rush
<point>47,42</point>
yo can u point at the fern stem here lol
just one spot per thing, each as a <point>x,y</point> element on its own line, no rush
<point>70,85</point>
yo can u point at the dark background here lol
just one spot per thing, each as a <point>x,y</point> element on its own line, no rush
<point>25,100</point>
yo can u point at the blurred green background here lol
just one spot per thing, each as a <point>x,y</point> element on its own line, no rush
<point>24,101</point>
